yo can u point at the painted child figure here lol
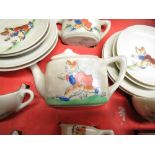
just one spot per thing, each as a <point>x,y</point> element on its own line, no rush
<point>80,84</point>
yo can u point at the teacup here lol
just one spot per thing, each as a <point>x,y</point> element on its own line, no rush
<point>12,102</point>
<point>77,80</point>
<point>145,107</point>
<point>86,32</point>
<point>76,129</point>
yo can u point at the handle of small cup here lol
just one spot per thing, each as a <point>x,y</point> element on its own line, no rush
<point>22,93</point>
<point>59,21</point>
<point>123,64</point>
<point>108,25</point>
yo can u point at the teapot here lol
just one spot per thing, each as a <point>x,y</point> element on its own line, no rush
<point>77,80</point>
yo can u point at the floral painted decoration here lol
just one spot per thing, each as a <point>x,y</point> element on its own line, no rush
<point>82,23</point>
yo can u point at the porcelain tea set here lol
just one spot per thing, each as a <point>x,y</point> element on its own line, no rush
<point>72,79</point>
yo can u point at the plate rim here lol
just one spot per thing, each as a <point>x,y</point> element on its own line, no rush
<point>125,83</point>
<point>34,42</point>
<point>31,48</point>
<point>114,53</point>
<point>33,62</point>
<point>51,38</point>
<point>119,42</point>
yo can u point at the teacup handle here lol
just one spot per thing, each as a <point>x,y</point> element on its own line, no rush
<point>108,25</point>
<point>22,92</point>
<point>123,64</point>
<point>59,21</point>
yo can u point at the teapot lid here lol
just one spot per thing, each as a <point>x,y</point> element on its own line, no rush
<point>69,53</point>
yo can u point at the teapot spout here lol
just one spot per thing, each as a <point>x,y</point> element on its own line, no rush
<point>39,79</point>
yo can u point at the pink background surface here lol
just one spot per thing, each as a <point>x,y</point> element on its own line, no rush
<point>38,118</point>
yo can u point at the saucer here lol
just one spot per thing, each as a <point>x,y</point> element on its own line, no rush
<point>114,53</point>
<point>137,43</point>
<point>26,60</point>
<point>29,49</point>
<point>126,85</point>
<point>18,35</point>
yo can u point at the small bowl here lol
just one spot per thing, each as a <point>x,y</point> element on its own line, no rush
<point>145,107</point>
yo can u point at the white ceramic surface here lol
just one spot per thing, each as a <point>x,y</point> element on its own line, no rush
<point>29,49</point>
<point>114,53</point>
<point>126,85</point>
<point>32,37</point>
<point>76,129</point>
<point>36,54</point>
<point>145,107</point>
<point>86,32</point>
<point>137,43</point>
<point>75,81</point>
<point>12,102</point>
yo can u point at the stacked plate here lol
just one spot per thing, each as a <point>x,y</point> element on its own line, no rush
<point>137,43</point>
<point>25,42</point>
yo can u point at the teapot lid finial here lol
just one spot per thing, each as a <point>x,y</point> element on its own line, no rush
<point>67,53</point>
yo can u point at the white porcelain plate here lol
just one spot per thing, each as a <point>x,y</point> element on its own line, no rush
<point>20,34</point>
<point>114,53</point>
<point>126,85</point>
<point>29,49</point>
<point>137,43</point>
<point>25,60</point>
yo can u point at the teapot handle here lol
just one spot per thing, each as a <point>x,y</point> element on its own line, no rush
<point>123,64</point>
<point>108,25</point>
<point>59,21</point>
<point>22,92</point>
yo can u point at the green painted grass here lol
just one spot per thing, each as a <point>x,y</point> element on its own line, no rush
<point>92,100</point>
